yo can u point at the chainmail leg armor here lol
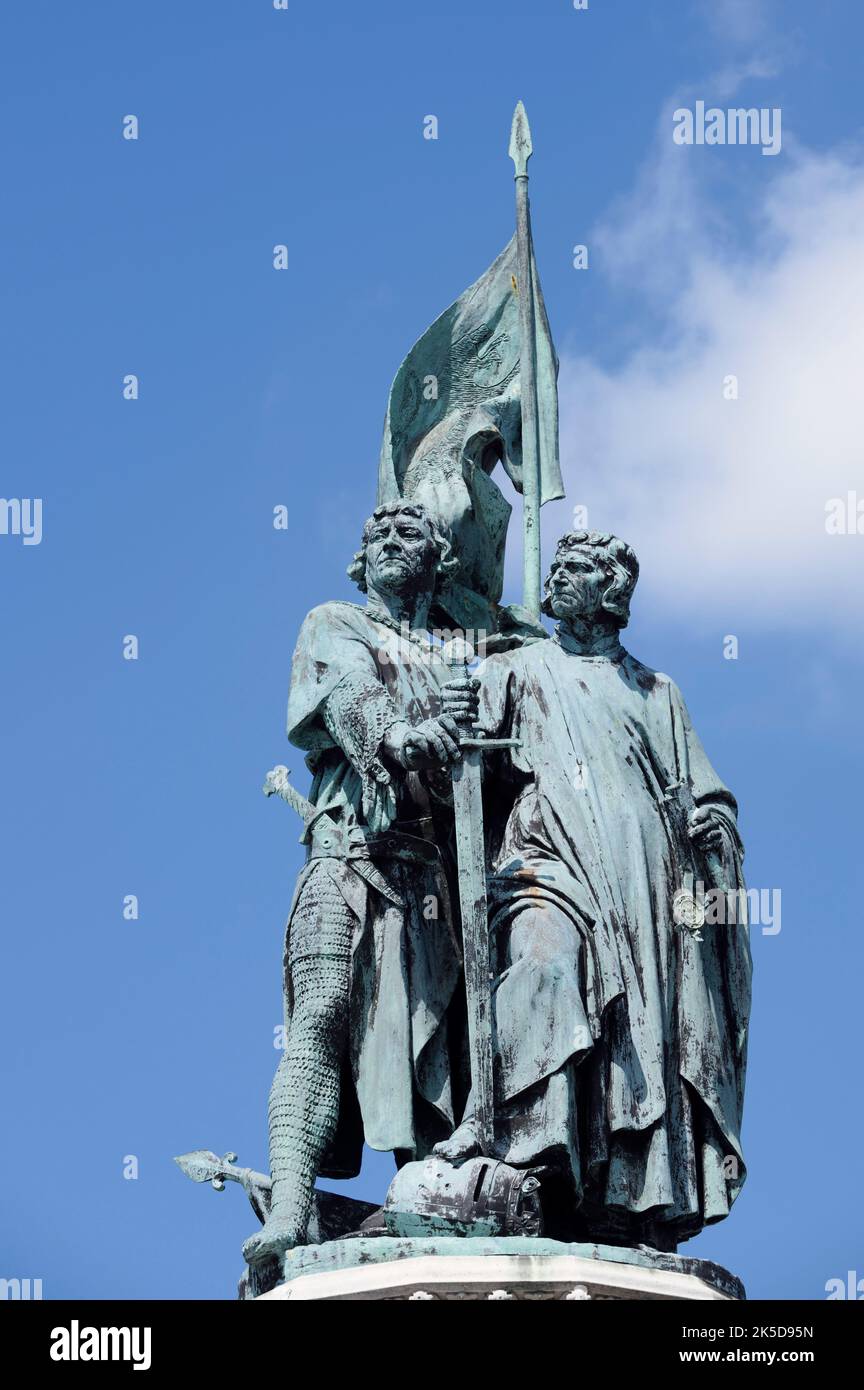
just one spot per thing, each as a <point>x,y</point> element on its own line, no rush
<point>304,1098</point>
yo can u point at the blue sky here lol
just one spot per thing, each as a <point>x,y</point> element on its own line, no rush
<point>260,388</point>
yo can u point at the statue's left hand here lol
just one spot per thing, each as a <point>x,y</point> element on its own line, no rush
<point>418,747</point>
<point>705,830</point>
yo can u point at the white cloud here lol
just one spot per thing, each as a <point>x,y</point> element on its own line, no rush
<point>735,21</point>
<point>724,500</point>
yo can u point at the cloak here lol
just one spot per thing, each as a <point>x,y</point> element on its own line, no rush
<point>622,1055</point>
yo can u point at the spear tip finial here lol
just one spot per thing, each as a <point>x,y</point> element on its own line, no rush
<point>521,148</point>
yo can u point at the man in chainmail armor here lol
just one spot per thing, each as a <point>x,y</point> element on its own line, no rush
<point>371,955</point>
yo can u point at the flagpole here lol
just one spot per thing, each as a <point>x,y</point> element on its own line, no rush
<point>520,152</point>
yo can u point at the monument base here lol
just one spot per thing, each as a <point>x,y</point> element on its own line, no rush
<point>495,1268</point>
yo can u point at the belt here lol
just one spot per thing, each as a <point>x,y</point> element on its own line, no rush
<point>359,849</point>
<point>344,842</point>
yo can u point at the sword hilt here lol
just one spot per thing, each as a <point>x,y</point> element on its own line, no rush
<point>460,654</point>
<point>276,784</point>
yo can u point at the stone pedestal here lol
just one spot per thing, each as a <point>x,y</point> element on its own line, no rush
<point>492,1269</point>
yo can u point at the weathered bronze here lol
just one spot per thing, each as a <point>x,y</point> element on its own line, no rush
<point>498,961</point>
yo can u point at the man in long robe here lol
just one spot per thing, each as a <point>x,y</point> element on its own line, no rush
<point>620,1036</point>
<point>371,954</point>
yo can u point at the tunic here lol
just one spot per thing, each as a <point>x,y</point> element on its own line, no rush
<point>351,678</point>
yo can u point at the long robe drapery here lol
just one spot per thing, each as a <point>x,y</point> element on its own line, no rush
<point>349,674</point>
<point>621,1040</point>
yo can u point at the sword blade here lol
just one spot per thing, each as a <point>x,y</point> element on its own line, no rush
<point>470,846</point>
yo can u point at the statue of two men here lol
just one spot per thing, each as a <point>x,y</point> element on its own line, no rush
<point>620,1038</point>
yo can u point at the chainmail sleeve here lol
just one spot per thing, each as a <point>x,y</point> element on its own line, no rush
<point>358,712</point>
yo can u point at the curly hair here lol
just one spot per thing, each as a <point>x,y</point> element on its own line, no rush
<point>440,534</point>
<point>617,558</point>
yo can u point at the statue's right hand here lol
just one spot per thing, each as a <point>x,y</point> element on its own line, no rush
<point>434,743</point>
<point>459,699</point>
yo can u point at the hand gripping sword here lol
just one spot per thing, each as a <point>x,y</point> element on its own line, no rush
<point>471,858</point>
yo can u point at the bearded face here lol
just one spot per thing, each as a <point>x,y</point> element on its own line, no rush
<point>578,580</point>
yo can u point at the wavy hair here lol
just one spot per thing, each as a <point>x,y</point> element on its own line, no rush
<point>617,558</point>
<point>440,534</point>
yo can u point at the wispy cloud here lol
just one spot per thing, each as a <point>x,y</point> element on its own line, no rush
<point>724,499</point>
<point>736,21</point>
